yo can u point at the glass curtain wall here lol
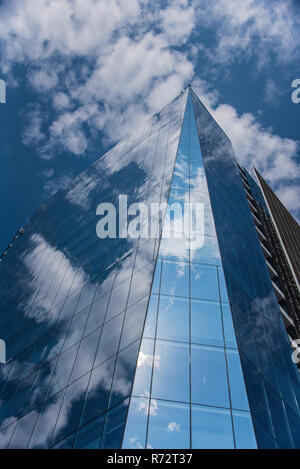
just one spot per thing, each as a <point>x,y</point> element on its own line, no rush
<point>189,390</point>
<point>272,379</point>
<point>72,306</point>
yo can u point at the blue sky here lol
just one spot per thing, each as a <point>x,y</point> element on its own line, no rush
<point>81,74</point>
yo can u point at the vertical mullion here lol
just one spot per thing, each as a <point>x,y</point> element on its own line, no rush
<point>226,361</point>
<point>153,361</point>
<point>189,270</point>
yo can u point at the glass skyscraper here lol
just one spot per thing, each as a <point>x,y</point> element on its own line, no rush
<point>149,341</point>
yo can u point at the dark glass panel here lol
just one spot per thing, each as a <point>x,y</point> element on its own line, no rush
<point>89,436</point>
<point>124,374</point>
<point>98,391</point>
<point>134,322</point>
<point>85,356</point>
<point>114,426</point>
<point>71,408</point>
<point>109,340</point>
<point>97,314</point>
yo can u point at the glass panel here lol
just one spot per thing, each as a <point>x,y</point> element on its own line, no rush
<point>208,253</point>
<point>86,296</point>
<point>136,425</point>
<point>239,399</point>
<point>209,378</point>
<point>142,380</point>
<point>44,427</point>
<point>98,391</point>
<point>287,389</point>
<point>109,341</point>
<point>294,423</point>
<point>265,440</point>
<point>174,249</point>
<point>223,289</point>
<point>63,369</point>
<point>76,329</point>
<point>6,435</point>
<point>89,436</point>
<point>23,431</point>
<point>134,323</point>
<point>206,323</point>
<point>156,279</point>
<point>124,373</point>
<point>69,306</point>
<point>141,282</point>
<point>169,425</point>
<point>173,319</point>
<point>71,408</point>
<point>118,300</point>
<point>114,426</point>
<point>204,282</point>
<point>243,431</point>
<point>150,324</point>
<point>279,419</point>
<point>229,332</point>
<point>66,443</point>
<point>171,371</point>
<point>97,314</point>
<point>211,428</point>
<point>86,354</point>
<point>175,280</point>
<point>257,396</point>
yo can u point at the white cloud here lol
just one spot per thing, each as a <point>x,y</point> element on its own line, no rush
<point>178,20</point>
<point>33,134</point>
<point>41,268</point>
<point>80,193</point>
<point>53,185</point>
<point>252,27</point>
<point>126,72</point>
<point>254,145</point>
<point>129,68</point>
<point>173,427</point>
<point>145,360</point>
<point>290,196</point>
<point>43,79</point>
<point>164,91</point>
<point>36,29</point>
<point>61,101</point>
<point>272,92</point>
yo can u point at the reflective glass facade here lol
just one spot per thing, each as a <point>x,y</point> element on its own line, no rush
<point>72,306</point>
<point>189,390</point>
<point>271,378</point>
<point>147,342</point>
